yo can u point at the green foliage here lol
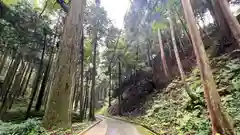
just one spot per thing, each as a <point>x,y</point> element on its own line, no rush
<point>172,112</point>
<point>10,2</point>
<point>159,25</point>
<point>29,127</point>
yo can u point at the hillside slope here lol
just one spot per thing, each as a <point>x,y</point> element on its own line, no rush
<point>172,112</point>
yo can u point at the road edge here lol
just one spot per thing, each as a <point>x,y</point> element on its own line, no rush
<point>90,127</point>
<point>122,119</point>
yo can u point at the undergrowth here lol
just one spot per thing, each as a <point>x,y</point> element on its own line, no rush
<point>33,127</point>
<point>29,127</point>
<point>172,112</point>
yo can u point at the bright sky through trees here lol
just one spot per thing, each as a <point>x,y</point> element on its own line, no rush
<point>116,10</point>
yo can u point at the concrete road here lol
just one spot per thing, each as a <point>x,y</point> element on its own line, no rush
<point>112,127</point>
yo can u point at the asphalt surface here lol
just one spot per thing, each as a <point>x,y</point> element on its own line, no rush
<point>112,127</point>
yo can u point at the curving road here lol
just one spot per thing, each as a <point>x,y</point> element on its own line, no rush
<point>112,127</point>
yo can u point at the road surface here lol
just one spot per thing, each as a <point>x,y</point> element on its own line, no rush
<point>113,127</point>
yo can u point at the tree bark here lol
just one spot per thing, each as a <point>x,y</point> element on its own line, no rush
<point>10,75</point>
<point>27,82</point>
<point>23,81</point>
<point>3,61</point>
<point>44,82</point>
<point>86,99</point>
<point>164,63</point>
<point>92,97</point>
<point>81,115</point>
<point>119,91</point>
<point>179,64</point>
<point>230,19</point>
<point>110,85</point>
<point>76,94</point>
<point>17,82</point>
<point>38,78</point>
<point>59,105</point>
<point>225,36</point>
<point>11,94</point>
<point>220,120</point>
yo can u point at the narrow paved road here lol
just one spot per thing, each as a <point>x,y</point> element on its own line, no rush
<point>112,127</point>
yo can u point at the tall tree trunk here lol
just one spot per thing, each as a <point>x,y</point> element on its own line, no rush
<point>148,54</point>
<point>225,36</point>
<point>10,75</point>
<point>3,61</point>
<point>11,94</point>
<point>220,120</point>
<point>119,91</point>
<point>81,115</point>
<point>76,90</point>
<point>86,99</point>
<point>27,82</point>
<point>16,86</point>
<point>230,19</point>
<point>23,82</point>
<point>59,105</point>
<point>110,85</point>
<point>182,23</point>
<point>38,78</point>
<point>164,63</point>
<point>179,64</point>
<point>92,97</point>
<point>51,78</point>
<point>44,82</point>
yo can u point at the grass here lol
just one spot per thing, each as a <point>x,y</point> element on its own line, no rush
<point>144,131</point>
<point>103,111</point>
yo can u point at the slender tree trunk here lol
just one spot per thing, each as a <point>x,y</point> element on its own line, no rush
<point>92,97</point>
<point>225,36</point>
<point>27,82</point>
<point>86,94</point>
<point>59,105</point>
<point>81,117</point>
<point>24,80</point>
<point>38,78</point>
<point>181,44</point>
<point>119,91</point>
<point>183,24</point>
<point>9,77</point>
<point>148,54</point>
<point>44,82</point>
<point>3,61</point>
<point>230,19</point>
<point>10,94</point>
<point>76,89</point>
<point>179,64</point>
<point>110,85</point>
<point>220,120</point>
<point>16,86</point>
<point>51,78</point>
<point>164,63</point>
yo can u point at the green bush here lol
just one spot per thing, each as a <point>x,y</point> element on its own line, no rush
<point>28,127</point>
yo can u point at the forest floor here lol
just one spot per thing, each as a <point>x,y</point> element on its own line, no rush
<point>14,122</point>
<point>172,112</point>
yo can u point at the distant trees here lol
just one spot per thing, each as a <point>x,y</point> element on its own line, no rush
<point>84,58</point>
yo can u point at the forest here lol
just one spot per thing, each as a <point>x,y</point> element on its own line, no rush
<point>172,69</point>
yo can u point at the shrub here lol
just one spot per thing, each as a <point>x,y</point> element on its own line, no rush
<point>28,127</point>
